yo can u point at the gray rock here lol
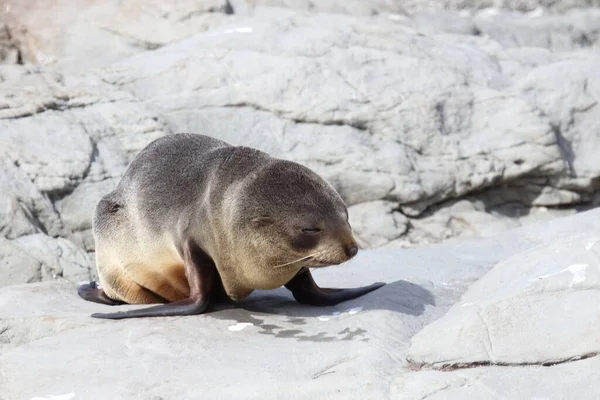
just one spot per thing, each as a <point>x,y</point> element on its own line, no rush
<point>517,62</point>
<point>24,209</point>
<point>93,33</point>
<point>58,257</point>
<point>560,382</point>
<point>376,223</point>
<point>480,215</point>
<point>55,161</point>
<point>575,29</point>
<point>373,7</point>
<point>463,143</point>
<point>353,7</point>
<point>439,21</point>
<point>459,220</point>
<point>415,110</point>
<point>571,104</point>
<point>519,5</point>
<point>77,208</point>
<point>435,121</point>
<point>43,314</point>
<point>526,310</point>
<point>9,53</point>
<point>35,258</point>
<point>16,266</point>
<point>65,142</point>
<point>362,345</point>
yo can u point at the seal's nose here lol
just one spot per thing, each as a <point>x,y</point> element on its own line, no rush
<point>351,250</point>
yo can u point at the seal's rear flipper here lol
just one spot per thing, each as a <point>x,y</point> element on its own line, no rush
<point>90,292</point>
<point>187,306</point>
<point>306,291</point>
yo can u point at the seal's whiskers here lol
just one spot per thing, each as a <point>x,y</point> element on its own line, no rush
<point>295,261</point>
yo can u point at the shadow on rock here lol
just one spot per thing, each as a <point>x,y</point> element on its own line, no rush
<point>400,296</point>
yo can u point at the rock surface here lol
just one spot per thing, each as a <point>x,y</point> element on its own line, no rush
<point>435,121</point>
<point>419,336</point>
<point>527,310</point>
<point>74,35</point>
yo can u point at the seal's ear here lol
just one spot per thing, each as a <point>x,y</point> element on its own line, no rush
<point>262,221</point>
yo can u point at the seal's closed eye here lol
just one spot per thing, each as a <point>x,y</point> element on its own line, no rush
<point>311,231</point>
<point>262,221</point>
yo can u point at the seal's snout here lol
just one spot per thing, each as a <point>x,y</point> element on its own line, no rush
<point>351,250</point>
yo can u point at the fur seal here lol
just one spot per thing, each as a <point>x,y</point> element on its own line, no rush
<point>195,220</point>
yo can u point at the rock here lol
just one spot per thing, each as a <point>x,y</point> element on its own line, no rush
<point>440,21</point>
<point>411,108</point>
<point>42,314</point>
<point>529,309</point>
<point>481,215</point>
<point>37,257</point>
<point>24,209</point>
<point>517,62</point>
<point>9,53</point>
<point>435,121</point>
<point>362,344</point>
<point>58,257</point>
<point>93,33</point>
<point>575,29</point>
<point>519,5</point>
<point>65,142</point>
<point>353,7</point>
<point>461,145</point>
<point>532,382</point>
<point>460,220</point>
<point>571,105</point>
<point>376,223</point>
<point>373,7</point>
<point>54,161</point>
<point>16,266</point>
<point>77,208</point>
<point>91,130</point>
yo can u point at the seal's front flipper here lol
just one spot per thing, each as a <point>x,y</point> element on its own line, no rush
<point>91,292</point>
<point>202,276</point>
<point>306,291</point>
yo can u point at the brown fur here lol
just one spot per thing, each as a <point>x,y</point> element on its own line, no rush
<point>244,209</point>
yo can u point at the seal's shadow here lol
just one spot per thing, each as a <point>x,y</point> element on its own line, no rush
<point>400,296</point>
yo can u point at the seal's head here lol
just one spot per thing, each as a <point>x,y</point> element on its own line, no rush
<point>292,217</point>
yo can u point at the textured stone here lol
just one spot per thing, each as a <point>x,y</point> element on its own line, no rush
<point>463,143</point>
<point>23,208</point>
<point>527,310</point>
<point>37,257</point>
<point>575,29</point>
<point>376,223</point>
<point>16,266</point>
<point>64,142</point>
<point>362,345</point>
<point>520,5</point>
<point>466,121</point>
<point>527,382</point>
<point>9,53</point>
<point>89,33</point>
<point>372,7</point>
<point>58,257</point>
<point>572,105</point>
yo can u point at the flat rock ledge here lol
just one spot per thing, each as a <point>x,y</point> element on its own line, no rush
<point>511,316</point>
